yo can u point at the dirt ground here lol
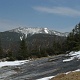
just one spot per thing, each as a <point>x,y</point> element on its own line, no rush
<point>70,76</point>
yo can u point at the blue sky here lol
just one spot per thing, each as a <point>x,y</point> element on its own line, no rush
<point>60,15</point>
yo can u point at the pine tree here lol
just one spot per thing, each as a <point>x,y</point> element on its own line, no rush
<point>1,51</point>
<point>10,55</point>
<point>56,48</point>
<point>73,40</point>
<point>23,52</point>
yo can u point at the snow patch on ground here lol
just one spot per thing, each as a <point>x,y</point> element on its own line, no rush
<point>74,55</point>
<point>46,78</point>
<point>13,63</point>
<point>70,59</point>
<point>72,71</point>
<point>76,70</point>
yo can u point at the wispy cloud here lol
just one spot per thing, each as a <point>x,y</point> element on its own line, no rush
<point>58,10</point>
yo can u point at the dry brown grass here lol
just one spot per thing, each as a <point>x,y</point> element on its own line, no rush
<point>70,76</point>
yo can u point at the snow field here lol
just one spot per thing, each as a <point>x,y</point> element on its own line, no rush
<point>13,63</point>
<point>74,55</point>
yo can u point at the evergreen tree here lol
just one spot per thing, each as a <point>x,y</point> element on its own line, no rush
<point>73,40</point>
<point>10,55</point>
<point>23,52</point>
<point>56,48</point>
<point>1,51</point>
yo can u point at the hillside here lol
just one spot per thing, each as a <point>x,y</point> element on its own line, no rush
<point>18,34</point>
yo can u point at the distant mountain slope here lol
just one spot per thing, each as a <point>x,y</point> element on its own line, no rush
<point>34,37</point>
<point>8,39</point>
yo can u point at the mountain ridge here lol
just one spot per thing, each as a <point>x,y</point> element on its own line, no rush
<point>36,30</point>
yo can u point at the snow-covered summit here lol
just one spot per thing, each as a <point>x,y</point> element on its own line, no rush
<point>32,31</point>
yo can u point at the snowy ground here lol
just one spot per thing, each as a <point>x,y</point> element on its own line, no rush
<point>13,63</point>
<point>73,55</point>
<point>46,78</point>
<point>41,69</point>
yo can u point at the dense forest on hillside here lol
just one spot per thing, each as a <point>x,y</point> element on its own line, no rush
<point>27,50</point>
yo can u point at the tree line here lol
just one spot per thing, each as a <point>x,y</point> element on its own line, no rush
<point>24,52</point>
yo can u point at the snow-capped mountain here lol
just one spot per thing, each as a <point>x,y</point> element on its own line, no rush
<point>42,36</point>
<point>32,31</point>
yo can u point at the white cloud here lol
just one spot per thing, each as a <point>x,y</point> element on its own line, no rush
<point>59,10</point>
